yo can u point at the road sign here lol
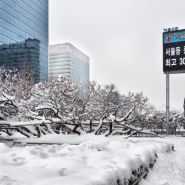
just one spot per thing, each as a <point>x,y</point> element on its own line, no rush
<point>174,51</point>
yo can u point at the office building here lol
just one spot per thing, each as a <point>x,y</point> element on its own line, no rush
<point>67,60</point>
<point>24,36</point>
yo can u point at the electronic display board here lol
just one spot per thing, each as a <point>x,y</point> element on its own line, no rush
<point>174,51</point>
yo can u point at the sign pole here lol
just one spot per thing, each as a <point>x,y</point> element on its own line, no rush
<point>167,102</point>
<point>184,107</point>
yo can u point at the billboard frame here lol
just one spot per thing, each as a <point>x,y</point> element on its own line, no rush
<point>171,71</point>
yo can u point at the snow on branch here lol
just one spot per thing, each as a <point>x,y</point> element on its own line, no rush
<point>38,109</point>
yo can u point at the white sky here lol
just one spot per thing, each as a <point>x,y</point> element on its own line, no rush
<point>124,42</point>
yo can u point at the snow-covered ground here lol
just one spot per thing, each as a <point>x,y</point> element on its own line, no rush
<point>97,160</point>
<point>170,167</point>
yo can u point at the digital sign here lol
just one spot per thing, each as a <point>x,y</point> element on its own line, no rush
<point>174,51</point>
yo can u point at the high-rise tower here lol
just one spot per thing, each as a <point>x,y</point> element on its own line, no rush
<point>24,36</point>
<point>67,60</point>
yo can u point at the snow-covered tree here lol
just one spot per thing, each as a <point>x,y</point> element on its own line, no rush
<point>82,108</point>
<point>15,87</point>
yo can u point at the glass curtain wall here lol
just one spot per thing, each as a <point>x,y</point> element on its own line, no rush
<point>24,36</point>
<point>80,69</point>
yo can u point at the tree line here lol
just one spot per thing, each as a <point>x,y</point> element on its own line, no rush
<point>35,109</point>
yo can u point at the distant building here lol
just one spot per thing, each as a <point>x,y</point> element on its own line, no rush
<point>67,60</point>
<point>24,36</point>
<point>22,56</point>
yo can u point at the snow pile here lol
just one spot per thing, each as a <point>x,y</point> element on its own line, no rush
<point>108,161</point>
<point>170,167</point>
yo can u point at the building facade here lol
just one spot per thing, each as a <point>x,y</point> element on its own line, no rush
<point>24,36</point>
<point>68,61</point>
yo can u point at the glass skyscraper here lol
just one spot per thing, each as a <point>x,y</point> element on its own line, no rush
<point>24,36</point>
<point>68,61</point>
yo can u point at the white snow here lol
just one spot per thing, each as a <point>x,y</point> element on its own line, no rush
<point>95,160</point>
<point>170,167</point>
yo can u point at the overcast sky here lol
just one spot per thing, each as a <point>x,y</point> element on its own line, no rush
<point>123,40</point>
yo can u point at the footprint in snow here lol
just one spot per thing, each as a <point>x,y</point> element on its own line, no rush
<point>43,155</point>
<point>34,152</point>
<point>18,161</point>
<point>52,150</point>
<point>13,155</point>
<point>63,171</point>
<point>4,180</point>
<point>64,154</point>
<point>85,157</point>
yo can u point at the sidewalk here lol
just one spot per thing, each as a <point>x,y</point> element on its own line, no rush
<point>169,168</point>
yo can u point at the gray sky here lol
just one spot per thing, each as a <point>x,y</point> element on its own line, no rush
<point>124,42</point>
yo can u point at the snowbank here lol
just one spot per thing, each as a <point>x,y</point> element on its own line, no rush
<point>169,168</point>
<point>95,160</point>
